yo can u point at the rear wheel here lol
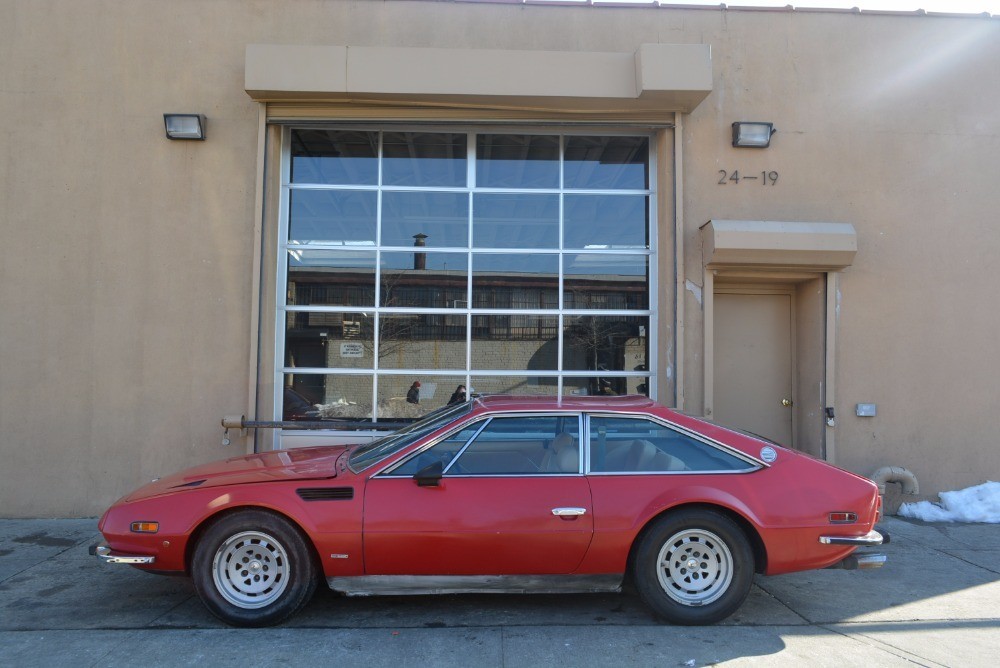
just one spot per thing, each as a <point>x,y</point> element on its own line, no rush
<point>253,568</point>
<point>694,567</point>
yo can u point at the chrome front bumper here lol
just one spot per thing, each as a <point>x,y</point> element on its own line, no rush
<point>103,552</point>
<point>871,538</point>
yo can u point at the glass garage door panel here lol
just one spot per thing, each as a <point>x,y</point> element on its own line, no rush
<point>601,281</point>
<point>424,159</point>
<point>321,339</point>
<point>334,157</point>
<point>346,217</point>
<point>607,221</point>
<point>517,161</point>
<point>314,396</point>
<point>330,278</point>
<point>516,220</point>
<point>421,218</point>
<point>606,163</point>
<point>430,341</point>
<point>520,262</point>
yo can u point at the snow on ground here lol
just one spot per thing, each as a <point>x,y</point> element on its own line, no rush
<point>974,504</point>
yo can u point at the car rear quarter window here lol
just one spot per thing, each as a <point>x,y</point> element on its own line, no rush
<point>639,445</point>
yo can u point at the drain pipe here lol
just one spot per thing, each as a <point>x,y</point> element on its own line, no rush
<point>904,477</point>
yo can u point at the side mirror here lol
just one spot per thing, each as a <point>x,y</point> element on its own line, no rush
<point>430,475</point>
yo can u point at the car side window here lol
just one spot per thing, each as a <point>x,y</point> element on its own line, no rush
<point>637,445</point>
<point>522,446</point>
<point>443,451</point>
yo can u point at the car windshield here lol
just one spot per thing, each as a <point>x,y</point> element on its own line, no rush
<point>368,454</point>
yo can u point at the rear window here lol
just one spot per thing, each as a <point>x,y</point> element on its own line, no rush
<point>638,445</point>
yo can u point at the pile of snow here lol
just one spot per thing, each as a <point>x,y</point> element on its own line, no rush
<point>975,504</point>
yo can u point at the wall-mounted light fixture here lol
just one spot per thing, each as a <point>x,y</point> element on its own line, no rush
<point>184,126</point>
<point>752,134</point>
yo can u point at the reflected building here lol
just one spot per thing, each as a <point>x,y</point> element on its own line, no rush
<point>509,262</point>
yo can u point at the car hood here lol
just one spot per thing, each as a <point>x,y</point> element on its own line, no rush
<point>294,464</point>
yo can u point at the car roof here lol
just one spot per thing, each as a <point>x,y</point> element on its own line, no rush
<point>571,403</point>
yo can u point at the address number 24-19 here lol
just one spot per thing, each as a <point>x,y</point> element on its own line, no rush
<point>734,177</point>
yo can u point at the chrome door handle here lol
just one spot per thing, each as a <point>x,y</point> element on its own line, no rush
<point>569,512</point>
<point>786,402</point>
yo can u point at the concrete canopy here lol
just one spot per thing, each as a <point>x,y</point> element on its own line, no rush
<point>656,77</point>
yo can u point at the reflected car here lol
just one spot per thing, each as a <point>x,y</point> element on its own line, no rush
<point>503,494</point>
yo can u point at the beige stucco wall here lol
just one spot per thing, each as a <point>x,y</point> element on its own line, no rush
<point>888,123</point>
<point>126,268</point>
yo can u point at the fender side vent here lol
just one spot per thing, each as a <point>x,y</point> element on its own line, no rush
<point>325,493</point>
<point>193,483</point>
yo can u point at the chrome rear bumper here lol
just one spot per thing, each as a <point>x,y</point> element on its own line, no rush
<point>858,560</point>
<point>103,552</point>
<point>871,538</point>
<point>861,561</point>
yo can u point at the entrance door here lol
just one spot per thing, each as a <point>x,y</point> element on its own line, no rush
<point>753,363</point>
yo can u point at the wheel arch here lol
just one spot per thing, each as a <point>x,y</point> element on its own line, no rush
<point>746,526</point>
<point>209,521</point>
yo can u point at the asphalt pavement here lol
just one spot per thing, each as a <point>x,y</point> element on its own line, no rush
<point>935,603</point>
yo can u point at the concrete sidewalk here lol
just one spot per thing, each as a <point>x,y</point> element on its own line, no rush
<point>936,603</point>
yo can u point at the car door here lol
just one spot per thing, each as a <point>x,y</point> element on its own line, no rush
<point>511,501</point>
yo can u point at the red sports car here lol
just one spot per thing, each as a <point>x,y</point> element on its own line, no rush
<point>503,494</point>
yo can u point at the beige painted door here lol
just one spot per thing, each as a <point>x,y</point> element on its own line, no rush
<point>753,364</point>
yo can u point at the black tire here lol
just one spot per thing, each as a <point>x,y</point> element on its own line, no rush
<point>694,567</point>
<point>253,568</point>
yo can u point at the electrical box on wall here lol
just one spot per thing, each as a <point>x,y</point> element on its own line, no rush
<point>866,410</point>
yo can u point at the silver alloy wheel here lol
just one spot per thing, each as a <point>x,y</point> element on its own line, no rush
<point>694,567</point>
<point>251,569</point>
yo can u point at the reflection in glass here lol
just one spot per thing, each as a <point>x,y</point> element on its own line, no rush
<point>442,219</point>
<point>422,341</point>
<point>515,221</point>
<point>606,221</point>
<point>396,394</point>
<point>515,342</point>
<point>514,385</point>
<point>334,157</point>
<point>517,161</point>
<point>424,280</point>
<point>471,278</point>
<point>605,163</point>
<point>513,280</point>
<point>332,216</point>
<point>442,452</point>
<point>318,340</point>
<point>597,281</point>
<point>574,386</point>
<point>605,343</point>
<point>424,159</point>
<point>331,278</point>
<point>327,396</point>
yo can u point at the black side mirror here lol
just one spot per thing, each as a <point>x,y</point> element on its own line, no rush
<point>430,475</point>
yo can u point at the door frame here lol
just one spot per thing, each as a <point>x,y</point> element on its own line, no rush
<point>774,281</point>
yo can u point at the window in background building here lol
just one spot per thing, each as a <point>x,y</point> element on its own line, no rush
<point>415,262</point>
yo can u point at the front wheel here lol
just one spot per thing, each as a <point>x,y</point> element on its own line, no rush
<point>253,568</point>
<point>694,567</point>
